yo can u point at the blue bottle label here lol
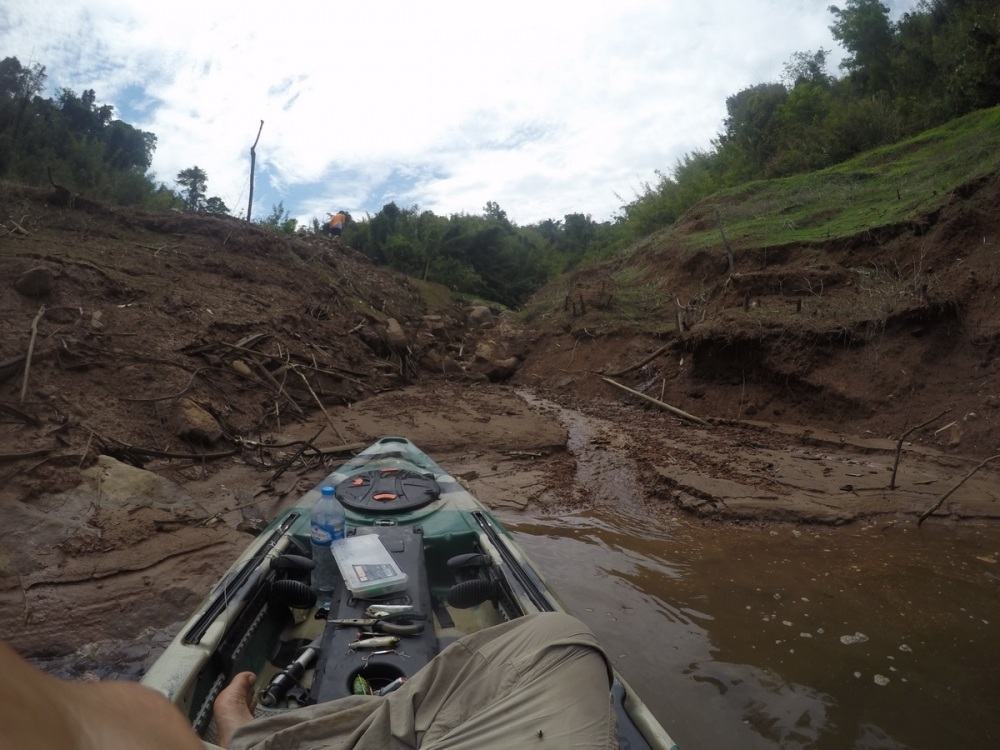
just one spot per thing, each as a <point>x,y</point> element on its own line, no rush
<point>323,536</point>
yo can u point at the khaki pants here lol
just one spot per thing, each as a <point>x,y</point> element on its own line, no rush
<point>538,681</point>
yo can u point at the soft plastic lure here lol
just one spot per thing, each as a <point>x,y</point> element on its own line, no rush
<point>385,641</point>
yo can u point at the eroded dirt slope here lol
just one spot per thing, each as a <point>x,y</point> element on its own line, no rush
<point>168,382</point>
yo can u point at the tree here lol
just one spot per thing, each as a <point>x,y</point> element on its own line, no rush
<point>195,182</point>
<point>750,123</point>
<point>807,67</point>
<point>18,87</point>
<point>280,220</point>
<point>863,28</point>
<point>125,147</point>
<point>83,117</point>
<point>215,205</point>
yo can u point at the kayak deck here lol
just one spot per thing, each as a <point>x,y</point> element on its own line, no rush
<point>464,573</point>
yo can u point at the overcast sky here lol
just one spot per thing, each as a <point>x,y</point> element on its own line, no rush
<point>545,107</point>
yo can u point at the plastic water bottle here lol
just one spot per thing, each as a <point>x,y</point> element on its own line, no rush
<point>327,521</point>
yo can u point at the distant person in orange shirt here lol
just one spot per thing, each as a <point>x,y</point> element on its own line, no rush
<point>336,225</point>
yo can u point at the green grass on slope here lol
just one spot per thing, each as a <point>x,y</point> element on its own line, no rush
<point>888,185</point>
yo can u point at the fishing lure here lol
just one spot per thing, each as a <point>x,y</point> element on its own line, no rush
<point>361,686</point>
<point>385,641</point>
<point>381,610</point>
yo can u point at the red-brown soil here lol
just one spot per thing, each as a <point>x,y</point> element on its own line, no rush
<point>238,366</point>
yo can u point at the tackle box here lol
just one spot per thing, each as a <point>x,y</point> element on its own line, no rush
<point>367,567</point>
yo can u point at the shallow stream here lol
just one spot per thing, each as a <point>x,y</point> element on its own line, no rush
<point>791,637</point>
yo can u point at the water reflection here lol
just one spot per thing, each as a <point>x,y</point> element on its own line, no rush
<point>798,638</point>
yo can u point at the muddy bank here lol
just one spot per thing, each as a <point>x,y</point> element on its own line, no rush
<point>131,548</point>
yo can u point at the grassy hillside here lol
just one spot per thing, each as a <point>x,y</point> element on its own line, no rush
<point>877,195</point>
<point>863,293</point>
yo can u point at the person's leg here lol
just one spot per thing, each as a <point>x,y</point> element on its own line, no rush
<point>37,710</point>
<point>495,688</point>
<point>543,676</point>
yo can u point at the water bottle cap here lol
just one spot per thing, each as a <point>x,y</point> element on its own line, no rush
<point>328,491</point>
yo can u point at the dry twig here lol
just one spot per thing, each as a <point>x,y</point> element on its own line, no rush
<point>647,360</point>
<point>946,495</point>
<point>899,444</point>
<point>281,470</point>
<point>31,349</point>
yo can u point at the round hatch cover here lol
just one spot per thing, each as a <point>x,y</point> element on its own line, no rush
<point>388,491</point>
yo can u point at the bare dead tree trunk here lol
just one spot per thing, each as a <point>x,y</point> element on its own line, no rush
<point>253,164</point>
<point>946,495</point>
<point>899,444</point>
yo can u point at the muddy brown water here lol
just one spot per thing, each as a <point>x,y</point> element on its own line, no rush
<point>867,636</point>
<point>864,636</point>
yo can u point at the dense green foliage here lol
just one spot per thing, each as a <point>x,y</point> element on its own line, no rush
<point>79,144</point>
<point>938,62</point>
<point>483,256</point>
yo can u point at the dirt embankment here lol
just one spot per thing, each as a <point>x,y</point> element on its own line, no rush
<point>168,382</point>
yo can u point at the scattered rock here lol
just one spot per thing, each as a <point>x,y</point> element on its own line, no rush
<point>502,369</point>
<point>480,316</point>
<point>850,640</point>
<point>195,424</point>
<point>35,282</point>
<point>395,335</point>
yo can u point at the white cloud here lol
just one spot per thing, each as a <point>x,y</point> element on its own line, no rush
<point>545,108</point>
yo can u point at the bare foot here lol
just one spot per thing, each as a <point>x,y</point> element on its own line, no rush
<point>234,706</point>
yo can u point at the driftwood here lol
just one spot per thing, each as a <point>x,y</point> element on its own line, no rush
<point>281,469</point>
<point>31,348</point>
<point>318,402</point>
<point>672,409</point>
<point>22,415</point>
<point>899,444</point>
<point>646,361</point>
<point>330,450</point>
<point>29,454</point>
<point>946,495</point>
<point>524,454</point>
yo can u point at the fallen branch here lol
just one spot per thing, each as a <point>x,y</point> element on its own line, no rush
<point>109,443</point>
<point>318,402</point>
<point>169,396</point>
<point>672,409</point>
<point>281,470</point>
<point>345,448</point>
<point>31,348</point>
<point>899,444</point>
<point>524,454</point>
<point>946,495</point>
<point>646,361</point>
<point>22,415</point>
<point>170,454</point>
<point>279,388</point>
<point>29,454</point>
